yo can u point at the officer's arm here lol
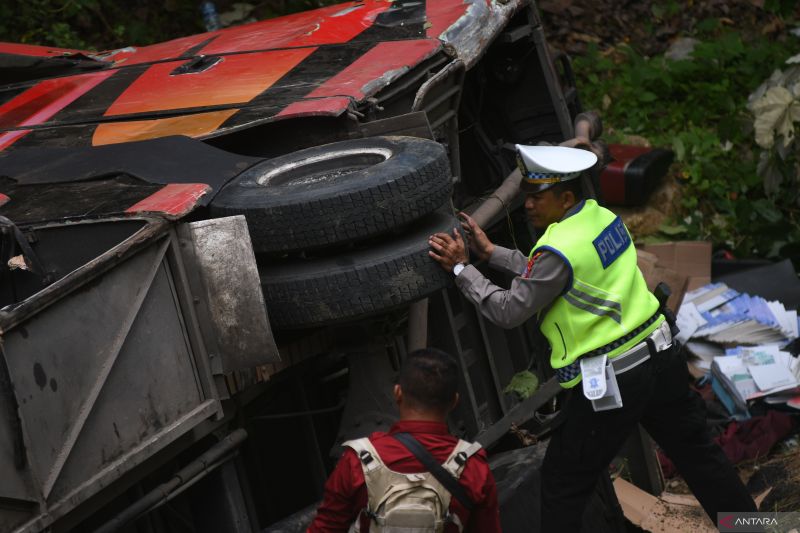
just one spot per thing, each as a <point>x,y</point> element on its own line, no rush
<point>526,297</point>
<point>507,260</point>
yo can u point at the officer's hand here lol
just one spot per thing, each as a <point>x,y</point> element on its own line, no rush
<point>477,239</point>
<point>448,250</point>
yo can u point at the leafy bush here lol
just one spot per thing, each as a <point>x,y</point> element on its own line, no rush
<point>698,107</point>
<point>97,24</point>
<point>108,24</point>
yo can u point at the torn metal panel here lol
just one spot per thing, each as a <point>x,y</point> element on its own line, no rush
<point>173,201</point>
<point>316,107</point>
<point>376,68</point>
<point>37,51</point>
<point>224,274</point>
<point>472,33</point>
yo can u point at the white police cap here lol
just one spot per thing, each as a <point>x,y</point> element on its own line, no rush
<point>544,166</point>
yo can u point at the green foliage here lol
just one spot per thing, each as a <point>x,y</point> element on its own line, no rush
<point>107,24</point>
<point>523,384</point>
<point>97,24</point>
<point>780,7</point>
<point>698,107</point>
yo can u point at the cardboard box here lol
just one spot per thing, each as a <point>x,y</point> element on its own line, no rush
<point>692,258</point>
<point>647,262</point>
<point>695,282</point>
<point>654,273</point>
<point>675,281</point>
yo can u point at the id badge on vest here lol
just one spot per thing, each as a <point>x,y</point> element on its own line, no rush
<point>600,383</point>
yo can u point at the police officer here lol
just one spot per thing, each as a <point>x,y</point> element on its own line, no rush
<point>601,321</point>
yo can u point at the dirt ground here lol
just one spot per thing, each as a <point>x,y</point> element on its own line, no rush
<point>776,478</point>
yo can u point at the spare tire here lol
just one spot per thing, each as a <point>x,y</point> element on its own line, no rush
<point>315,292</point>
<point>337,193</point>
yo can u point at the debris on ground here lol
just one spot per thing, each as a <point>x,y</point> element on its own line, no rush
<point>745,342</point>
<point>748,440</point>
<point>742,337</point>
<point>667,513</point>
<point>777,481</point>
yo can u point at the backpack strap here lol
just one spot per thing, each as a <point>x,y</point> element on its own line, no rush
<point>366,453</point>
<point>443,476</point>
<point>377,476</point>
<point>460,455</point>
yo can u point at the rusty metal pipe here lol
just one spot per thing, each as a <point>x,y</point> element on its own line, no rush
<point>588,128</point>
<point>588,125</point>
<point>498,200</point>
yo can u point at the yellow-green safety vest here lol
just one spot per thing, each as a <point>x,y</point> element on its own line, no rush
<point>606,298</point>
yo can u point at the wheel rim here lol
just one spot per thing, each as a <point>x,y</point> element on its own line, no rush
<point>335,165</point>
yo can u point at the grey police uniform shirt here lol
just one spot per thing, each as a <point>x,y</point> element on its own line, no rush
<point>526,296</point>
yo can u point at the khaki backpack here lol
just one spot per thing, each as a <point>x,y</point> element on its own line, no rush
<point>408,503</point>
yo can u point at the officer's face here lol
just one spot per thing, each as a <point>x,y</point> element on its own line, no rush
<point>546,207</point>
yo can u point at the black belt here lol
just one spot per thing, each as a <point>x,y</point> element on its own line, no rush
<point>572,370</point>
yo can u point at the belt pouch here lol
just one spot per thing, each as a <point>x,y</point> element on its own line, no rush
<point>612,398</point>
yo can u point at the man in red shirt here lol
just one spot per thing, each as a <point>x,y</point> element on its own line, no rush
<point>425,393</point>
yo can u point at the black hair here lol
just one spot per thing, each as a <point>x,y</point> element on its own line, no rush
<point>573,185</point>
<point>429,379</point>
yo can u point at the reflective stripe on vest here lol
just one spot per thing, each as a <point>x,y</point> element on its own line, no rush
<point>606,297</point>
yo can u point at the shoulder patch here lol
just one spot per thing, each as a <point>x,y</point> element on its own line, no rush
<point>611,242</point>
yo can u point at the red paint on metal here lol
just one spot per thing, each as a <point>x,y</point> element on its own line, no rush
<point>330,25</point>
<point>242,76</point>
<point>444,13</point>
<point>37,51</point>
<point>46,98</point>
<point>234,80</point>
<point>158,52</point>
<point>8,138</point>
<point>4,199</point>
<point>174,199</point>
<point>332,106</point>
<point>384,58</point>
<point>42,101</point>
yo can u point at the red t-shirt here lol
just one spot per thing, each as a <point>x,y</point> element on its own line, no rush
<point>346,492</point>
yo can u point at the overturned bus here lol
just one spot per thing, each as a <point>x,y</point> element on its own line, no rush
<point>215,257</point>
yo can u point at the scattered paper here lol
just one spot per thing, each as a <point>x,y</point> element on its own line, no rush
<point>750,372</point>
<point>731,317</point>
<point>772,377</point>
<point>689,320</point>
